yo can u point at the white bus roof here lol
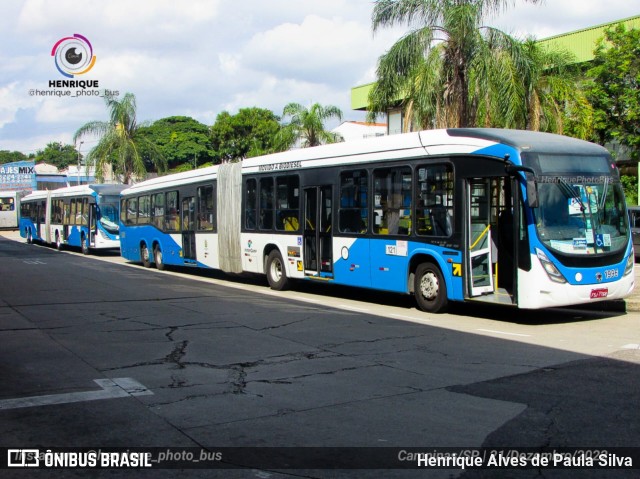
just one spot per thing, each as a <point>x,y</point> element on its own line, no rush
<point>407,145</point>
<point>106,189</point>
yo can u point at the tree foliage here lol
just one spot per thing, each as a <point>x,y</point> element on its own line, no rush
<point>630,187</point>
<point>120,142</point>
<point>306,125</point>
<point>553,97</point>
<point>7,156</point>
<point>57,154</point>
<point>248,133</point>
<point>180,139</point>
<point>452,70</point>
<point>615,88</point>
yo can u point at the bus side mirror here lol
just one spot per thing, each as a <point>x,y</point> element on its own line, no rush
<point>530,182</point>
<point>532,192</point>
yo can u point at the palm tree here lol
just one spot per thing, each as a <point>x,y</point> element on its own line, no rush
<point>451,70</point>
<point>307,125</point>
<point>554,100</point>
<point>120,143</point>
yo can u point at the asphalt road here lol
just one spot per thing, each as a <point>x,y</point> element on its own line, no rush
<point>219,361</point>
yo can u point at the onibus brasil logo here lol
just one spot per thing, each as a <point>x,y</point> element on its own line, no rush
<point>73,55</point>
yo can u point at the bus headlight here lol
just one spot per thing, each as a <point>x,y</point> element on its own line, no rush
<point>628,269</point>
<point>553,272</point>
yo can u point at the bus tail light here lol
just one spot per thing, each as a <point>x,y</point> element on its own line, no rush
<point>553,272</point>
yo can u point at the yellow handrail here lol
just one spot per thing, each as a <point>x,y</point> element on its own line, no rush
<point>480,237</point>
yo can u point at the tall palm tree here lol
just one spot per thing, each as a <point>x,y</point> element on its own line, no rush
<point>451,70</point>
<point>120,142</point>
<point>307,125</point>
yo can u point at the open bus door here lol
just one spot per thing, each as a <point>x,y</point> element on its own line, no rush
<point>480,241</point>
<point>491,228</point>
<point>317,233</point>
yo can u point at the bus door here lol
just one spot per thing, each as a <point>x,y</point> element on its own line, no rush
<point>41,212</point>
<point>318,234</point>
<point>188,222</point>
<point>479,251</point>
<point>93,230</point>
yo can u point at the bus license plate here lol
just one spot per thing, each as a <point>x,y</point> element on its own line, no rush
<point>599,293</point>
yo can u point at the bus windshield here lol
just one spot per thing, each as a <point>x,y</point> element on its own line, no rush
<point>582,208</point>
<point>109,214</point>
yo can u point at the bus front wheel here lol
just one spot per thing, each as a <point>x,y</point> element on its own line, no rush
<point>430,289</point>
<point>276,272</point>
<point>157,258</point>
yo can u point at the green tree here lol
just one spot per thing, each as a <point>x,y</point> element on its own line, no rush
<point>120,142</point>
<point>451,70</point>
<point>630,186</point>
<point>307,125</point>
<point>7,156</point>
<point>614,90</point>
<point>180,139</point>
<point>57,154</point>
<point>251,132</point>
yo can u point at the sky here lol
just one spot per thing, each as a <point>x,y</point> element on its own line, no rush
<point>199,58</point>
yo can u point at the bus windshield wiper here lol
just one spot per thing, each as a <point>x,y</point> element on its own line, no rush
<point>571,193</point>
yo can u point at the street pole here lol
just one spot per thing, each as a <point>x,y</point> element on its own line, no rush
<point>78,172</point>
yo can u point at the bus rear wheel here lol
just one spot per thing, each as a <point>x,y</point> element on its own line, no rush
<point>276,272</point>
<point>84,244</point>
<point>157,258</point>
<point>144,255</point>
<point>430,289</point>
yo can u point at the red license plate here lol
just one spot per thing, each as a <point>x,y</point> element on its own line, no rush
<point>599,293</point>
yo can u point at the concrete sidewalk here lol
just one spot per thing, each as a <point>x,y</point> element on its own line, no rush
<point>632,303</point>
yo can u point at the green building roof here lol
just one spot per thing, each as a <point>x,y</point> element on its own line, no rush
<point>580,42</point>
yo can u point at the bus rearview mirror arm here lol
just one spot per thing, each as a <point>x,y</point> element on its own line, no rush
<point>530,181</point>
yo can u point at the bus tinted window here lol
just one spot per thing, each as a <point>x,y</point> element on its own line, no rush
<point>206,208</point>
<point>157,210</point>
<point>132,211</point>
<point>434,193</point>
<point>392,201</point>
<point>144,210</point>
<point>266,203</point>
<point>84,215</point>
<point>250,212</point>
<point>288,203</point>
<point>172,220</point>
<point>354,193</point>
<point>6,204</point>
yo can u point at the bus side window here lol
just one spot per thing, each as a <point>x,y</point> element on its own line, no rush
<point>172,220</point>
<point>434,193</point>
<point>250,202</point>
<point>266,203</point>
<point>157,210</point>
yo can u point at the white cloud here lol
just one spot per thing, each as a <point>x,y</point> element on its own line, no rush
<point>200,57</point>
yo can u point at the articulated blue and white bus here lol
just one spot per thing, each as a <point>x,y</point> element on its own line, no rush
<point>84,216</point>
<point>522,218</point>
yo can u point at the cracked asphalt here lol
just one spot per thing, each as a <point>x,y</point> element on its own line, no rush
<point>228,366</point>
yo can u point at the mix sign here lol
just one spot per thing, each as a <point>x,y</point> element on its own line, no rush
<point>18,176</point>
